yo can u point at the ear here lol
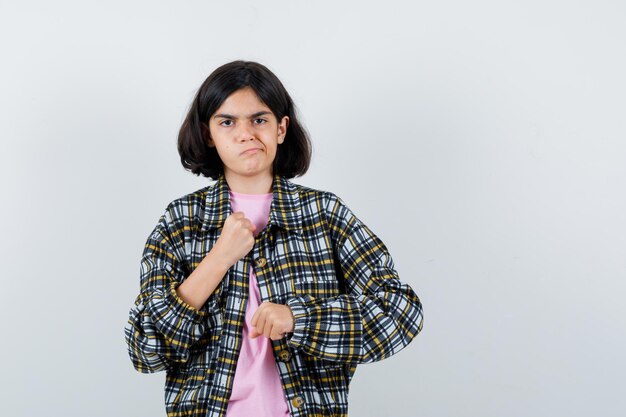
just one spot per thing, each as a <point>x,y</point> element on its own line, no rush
<point>282,129</point>
<point>206,134</point>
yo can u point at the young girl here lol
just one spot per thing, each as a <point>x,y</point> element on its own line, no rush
<point>260,296</point>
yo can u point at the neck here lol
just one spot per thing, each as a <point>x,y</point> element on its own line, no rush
<point>256,184</point>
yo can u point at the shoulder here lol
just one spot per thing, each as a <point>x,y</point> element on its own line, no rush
<point>191,200</point>
<point>186,209</point>
<point>324,201</point>
<point>309,195</point>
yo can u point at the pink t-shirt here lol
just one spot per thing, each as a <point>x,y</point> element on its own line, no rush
<point>257,390</point>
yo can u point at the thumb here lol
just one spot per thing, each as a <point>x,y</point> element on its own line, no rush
<point>253,333</point>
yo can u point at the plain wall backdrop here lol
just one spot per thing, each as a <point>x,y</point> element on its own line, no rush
<point>483,141</point>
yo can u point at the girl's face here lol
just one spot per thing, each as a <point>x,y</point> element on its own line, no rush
<point>246,134</point>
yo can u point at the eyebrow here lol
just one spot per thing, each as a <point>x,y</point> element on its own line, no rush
<point>253,115</point>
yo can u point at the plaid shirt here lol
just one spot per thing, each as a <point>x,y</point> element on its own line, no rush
<point>314,255</point>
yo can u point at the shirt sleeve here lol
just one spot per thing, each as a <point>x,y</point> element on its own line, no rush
<point>161,326</point>
<point>377,316</point>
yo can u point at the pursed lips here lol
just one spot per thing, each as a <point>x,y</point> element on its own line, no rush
<point>251,150</point>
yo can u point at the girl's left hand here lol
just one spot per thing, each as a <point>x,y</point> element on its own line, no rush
<point>272,321</point>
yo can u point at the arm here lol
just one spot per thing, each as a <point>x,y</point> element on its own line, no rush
<point>162,326</point>
<point>376,317</point>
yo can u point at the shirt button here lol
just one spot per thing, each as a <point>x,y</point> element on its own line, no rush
<point>284,355</point>
<point>297,401</point>
<point>260,262</point>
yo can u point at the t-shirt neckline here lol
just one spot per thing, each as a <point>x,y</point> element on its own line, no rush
<point>251,196</point>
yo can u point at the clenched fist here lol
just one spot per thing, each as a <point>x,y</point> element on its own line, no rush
<point>236,239</point>
<point>272,321</point>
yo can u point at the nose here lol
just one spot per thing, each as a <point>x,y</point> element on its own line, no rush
<point>245,132</point>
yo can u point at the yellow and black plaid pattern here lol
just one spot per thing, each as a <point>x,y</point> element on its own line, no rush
<point>314,255</point>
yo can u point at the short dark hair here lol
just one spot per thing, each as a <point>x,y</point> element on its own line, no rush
<point>293,156</point>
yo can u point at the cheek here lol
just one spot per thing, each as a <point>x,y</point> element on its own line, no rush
<point>224,151</point>
<point>272,151</point>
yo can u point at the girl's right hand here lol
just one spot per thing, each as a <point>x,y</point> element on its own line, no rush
<point>236,239</point>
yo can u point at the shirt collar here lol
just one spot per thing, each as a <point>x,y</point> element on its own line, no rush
<point>285,211</point>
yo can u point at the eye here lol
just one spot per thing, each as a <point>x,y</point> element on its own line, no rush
<point>260,121</point>
<point>224,121</point>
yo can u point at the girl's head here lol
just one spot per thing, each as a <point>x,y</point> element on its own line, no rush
<point>243,105</point>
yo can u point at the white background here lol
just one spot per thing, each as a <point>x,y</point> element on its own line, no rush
<point>483,141</point>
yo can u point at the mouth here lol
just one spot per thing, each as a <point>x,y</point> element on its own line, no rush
<point>250,151</point>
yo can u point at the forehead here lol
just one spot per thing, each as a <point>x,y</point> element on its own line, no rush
<point>243,100</point>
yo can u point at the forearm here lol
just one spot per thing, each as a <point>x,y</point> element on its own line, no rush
<point>200,284</point>
<point>166,321</point>
<point>173,311</point>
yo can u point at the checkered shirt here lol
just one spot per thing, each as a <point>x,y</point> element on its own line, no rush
<point>314,255</point>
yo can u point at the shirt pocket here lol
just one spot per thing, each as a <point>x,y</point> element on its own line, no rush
<point>317,288</point>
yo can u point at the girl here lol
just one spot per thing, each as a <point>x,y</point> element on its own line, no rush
<point>259,296</point>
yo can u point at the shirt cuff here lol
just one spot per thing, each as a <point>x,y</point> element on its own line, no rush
<point>181,306</point>
<point>301,321</point>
